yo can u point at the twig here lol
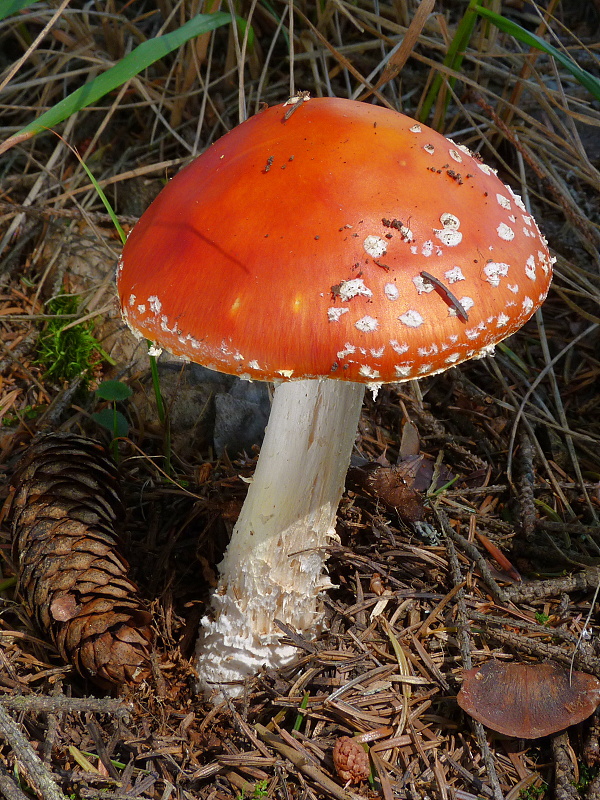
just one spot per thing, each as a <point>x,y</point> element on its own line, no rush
<point>66,705</point>
<point>245,730</point>
<point>545,650</point>
<point>464,641</point>
<point>60,402</point>
<point>548,551</point>
<point>564,772</point>
<point>570,528</point>
<point>476,782</point>
<point>8,788</point>
<point>49,213</point>
<point>52,724</point>
<point>302,763</point>
<point>533,627</point>
<point>473,553</point>
<point>526,483</point>
<point>553,587</point>
<point>101,749</point>
<point>30,763</point>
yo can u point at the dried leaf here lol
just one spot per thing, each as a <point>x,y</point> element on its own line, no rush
<point>499,557</point>
<point>410,443</point>
<point>392,486</point>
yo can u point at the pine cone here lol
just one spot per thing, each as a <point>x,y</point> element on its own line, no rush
<point>64,509</point>
<point>350,760</point>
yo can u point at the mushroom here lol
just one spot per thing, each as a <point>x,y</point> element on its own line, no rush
<point>528,700</point>
<point>340,246</point>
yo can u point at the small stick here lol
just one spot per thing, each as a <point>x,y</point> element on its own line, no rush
<point>38,777</point>
<point>499,594</point>
<point>57,705</point>
<point>65,213</point>
<point>101,749</point>
<point>526,486</point>
<point>564,771</point>
<point>302,763</point>
<point>8,788</point>
<point>52,724</point>
<point>531,646</point>
<point>553,587</point>
<point>295,102</point>
<point>447,295</point>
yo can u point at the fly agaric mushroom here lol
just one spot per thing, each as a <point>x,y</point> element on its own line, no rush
<point>342,245</point>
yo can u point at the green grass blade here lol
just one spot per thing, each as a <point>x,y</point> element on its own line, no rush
<point>454,58</point>
<point>591,83</point>
<point>10,7</point>
<point>139,59</point>
<point>105,200</point>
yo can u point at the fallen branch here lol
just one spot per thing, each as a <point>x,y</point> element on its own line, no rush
<point>66,705</point>
<point>29,762</point>
<point>303,764</point>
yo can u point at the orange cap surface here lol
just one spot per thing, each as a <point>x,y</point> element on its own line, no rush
<point>345,241</point>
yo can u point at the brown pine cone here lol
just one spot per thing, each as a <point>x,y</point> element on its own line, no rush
<point>65,505</point>
<point>350,760</point>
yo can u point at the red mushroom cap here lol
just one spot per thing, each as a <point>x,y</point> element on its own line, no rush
<point>345,240</point>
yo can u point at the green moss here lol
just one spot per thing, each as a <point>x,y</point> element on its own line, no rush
<point>533,792</point>
<point>67,352</point>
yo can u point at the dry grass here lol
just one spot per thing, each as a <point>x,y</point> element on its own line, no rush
<point>521,432</point>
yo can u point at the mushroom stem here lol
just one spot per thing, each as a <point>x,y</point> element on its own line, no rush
<point>274,565</point>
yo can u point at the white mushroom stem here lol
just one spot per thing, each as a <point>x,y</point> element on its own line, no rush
<point>274,565</point>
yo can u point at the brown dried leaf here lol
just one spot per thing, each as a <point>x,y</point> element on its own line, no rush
<point>410,443</point>
<point>392,486</point>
